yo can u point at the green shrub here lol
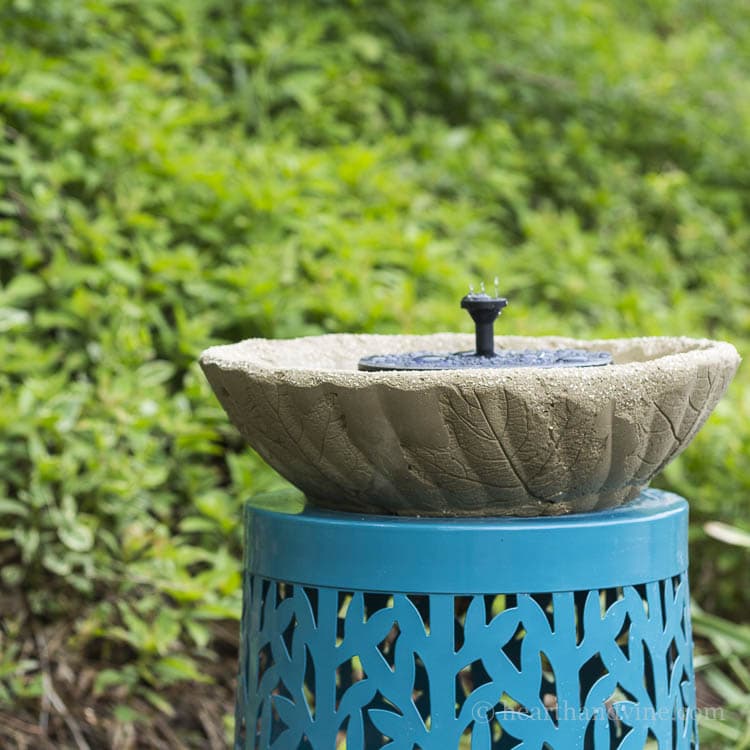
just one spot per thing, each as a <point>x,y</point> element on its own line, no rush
<point>179,174</point>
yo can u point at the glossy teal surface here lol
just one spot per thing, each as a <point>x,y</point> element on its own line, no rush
<point>644,540</point>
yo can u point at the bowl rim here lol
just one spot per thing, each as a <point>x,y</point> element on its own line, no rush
<point>687,355</point>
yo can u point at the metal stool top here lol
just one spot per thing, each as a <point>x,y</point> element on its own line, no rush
<point>641,541</point>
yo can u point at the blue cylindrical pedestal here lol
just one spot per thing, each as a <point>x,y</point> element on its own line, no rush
<point>559,633</point>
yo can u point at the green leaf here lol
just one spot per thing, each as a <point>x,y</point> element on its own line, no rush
<point>151,374</point>
<point>23,287</point>
<point>159,703</point>
<point>58,565</point>
<point>200,634</point>
<point>13,508</point>
<point>173,669</point>
<point>128,715</point>
<point>166,629</point>
<point>76,536</point>
<point>12,318</point>
<point>107,678</point>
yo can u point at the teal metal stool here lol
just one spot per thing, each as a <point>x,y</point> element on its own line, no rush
<point>557,633</point>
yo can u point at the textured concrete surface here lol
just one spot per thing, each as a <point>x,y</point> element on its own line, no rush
<point>483,442</point>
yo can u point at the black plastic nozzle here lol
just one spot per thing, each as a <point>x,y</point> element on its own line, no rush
<point>484,311</point>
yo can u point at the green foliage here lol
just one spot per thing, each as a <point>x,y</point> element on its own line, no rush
<point>726,672</point>
<point>179,174</point>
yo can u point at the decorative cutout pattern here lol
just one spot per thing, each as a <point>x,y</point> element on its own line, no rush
<point>590,670</point>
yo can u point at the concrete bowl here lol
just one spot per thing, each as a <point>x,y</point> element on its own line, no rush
<point>522,442</point>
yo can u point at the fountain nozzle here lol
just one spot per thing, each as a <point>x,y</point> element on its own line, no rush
<point>484,311</point>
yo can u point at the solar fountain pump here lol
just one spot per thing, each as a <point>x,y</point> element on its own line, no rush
<point>473,557</point>
<point>484,311</point>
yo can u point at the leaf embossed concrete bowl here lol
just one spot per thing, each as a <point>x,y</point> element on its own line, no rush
<point>526,441</point>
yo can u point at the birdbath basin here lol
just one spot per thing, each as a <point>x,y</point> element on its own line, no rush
<point>476,440</point>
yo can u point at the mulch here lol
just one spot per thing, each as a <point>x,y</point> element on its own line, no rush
<point>70,715</point>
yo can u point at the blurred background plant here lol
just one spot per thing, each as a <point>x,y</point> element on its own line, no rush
<point>179,174</point>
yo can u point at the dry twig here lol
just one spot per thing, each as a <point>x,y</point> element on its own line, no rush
<point>50,697</point>
<point>215,740</point>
